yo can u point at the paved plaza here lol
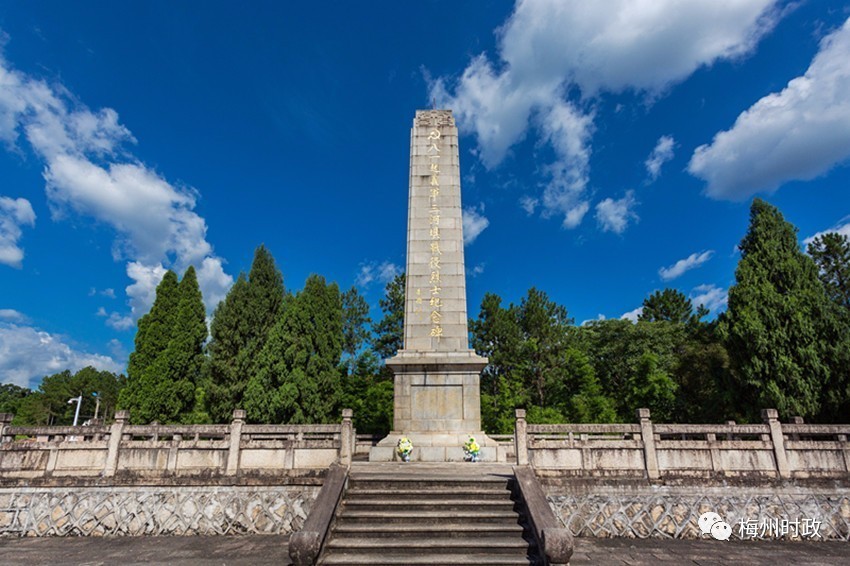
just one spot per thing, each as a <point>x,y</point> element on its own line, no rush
<point>268,550</point>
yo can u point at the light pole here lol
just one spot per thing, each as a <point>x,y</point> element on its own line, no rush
<point>97,404</point>
<point>79,401</point>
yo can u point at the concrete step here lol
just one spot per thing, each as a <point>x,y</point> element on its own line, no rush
<point>416,484</point>
<point>433,559</point>
<point>461,545</point>
<point>418,517</point>
<point>428,514</point>
<point>440,493</point>
<point>442,529</point>
<point>427,505</point>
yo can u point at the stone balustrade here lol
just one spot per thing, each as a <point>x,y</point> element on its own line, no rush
<point>125,452</point>
<point>671,451</point>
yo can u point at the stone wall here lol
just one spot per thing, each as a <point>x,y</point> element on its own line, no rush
<point>672,511</point>
<point>176,510</point>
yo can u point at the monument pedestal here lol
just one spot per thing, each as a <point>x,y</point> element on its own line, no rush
<point>437,406</point>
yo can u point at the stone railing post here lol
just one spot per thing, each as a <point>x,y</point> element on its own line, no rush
<point>346,440</point>
<point>842,440</point>
<point>116,433</point>
<point>771,419</point>
<point>521,438</point>
<point>5,421</point>
<point>235,439</point>
<point>648,437</point>
<point>796,420</point>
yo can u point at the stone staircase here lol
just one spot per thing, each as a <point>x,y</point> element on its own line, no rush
<point>416,513</point>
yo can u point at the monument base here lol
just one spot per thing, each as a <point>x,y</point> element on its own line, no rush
<point>437,406</point>
<point>438,447</point>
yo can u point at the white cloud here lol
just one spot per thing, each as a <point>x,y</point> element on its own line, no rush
<point>11,315</point>
<point>528,204</point>
<point>371,272</point>
<point>142,291</point>
<point>691,262</point>
<point>109,292</point>
<point>14,213</point>
<point>474,222</point>
<point>116,320</point>
<point>88,171</point>
<point>550,49</point>
<point>213,281</point>
<point>797,134</point>
<point>614,215</point>
<point>28,354</point>
<point>632,315</point>
<point>710,296</point>
<point>568,131</point>
<point>661,154</point>
<point>476,270</point>
<point>843,227</point>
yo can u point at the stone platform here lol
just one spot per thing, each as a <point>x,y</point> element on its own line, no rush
<point>272,550</point>
<point>437,447</point>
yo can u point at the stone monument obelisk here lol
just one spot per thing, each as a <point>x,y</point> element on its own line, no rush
<point>437,402</point>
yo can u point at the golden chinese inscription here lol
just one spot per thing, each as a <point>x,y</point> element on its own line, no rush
<point>435,280</point>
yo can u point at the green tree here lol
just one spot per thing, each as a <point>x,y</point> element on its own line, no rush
<point>11,396</point>
<point>390,329</point>
<point>652,387</point>
<point>164,376</point>
<point>298,378</point>
<point>670,305</point>
<point>177,372</point>
<point>533,364</point>
<point>240,328</point>
<point>497,336</point>
<point>618,351</point>
<point>544,325</point>
<point>48,405</point>
<point>578,394</point>
<point>355,326</point>
<point>705,392</point>
<point>774,328</point>
<point>831,253</point>
<point>152,338</point>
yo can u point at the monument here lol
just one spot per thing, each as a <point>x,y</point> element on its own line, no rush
<point>437,399</point>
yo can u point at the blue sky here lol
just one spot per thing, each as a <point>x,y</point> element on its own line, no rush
<point>608,149</point>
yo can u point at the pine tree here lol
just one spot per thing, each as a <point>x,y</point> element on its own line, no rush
<point>240,328</point>
<point>544,324</point>
<point>774,329</point>
<point>297,379</point>
<point>670,305</point>
<point>355,326</point>
<point>390,329</point>
<point>152,338</point>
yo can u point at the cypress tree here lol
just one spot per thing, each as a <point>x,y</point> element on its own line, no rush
<point>178,369</point>
<point>831,253</point>
<point>152,338</point>
<point>774,328</point>
<point>240,328</point>
<point>297,379</point>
